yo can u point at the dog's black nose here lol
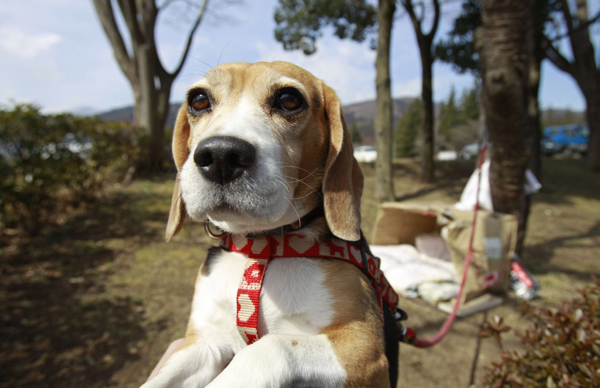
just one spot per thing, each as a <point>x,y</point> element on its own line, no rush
<point>224,158</point>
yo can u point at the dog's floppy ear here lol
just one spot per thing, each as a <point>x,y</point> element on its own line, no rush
<point>343,179</point>
<point>181,151</point>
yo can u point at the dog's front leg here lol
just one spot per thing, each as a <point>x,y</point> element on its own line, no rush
<point>194,364</point>
<point>284,361</point>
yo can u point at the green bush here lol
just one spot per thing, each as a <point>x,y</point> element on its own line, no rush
<point>562,347</point>
<point>46,159</point>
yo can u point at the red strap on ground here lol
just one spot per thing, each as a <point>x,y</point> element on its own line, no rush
<point>450,319</point>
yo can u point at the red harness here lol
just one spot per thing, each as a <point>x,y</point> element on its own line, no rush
<point>260,250</point>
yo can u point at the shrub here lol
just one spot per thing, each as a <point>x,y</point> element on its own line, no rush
<point>47,158</point>
<point>562,347</point>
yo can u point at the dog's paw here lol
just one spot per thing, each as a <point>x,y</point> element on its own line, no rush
<point>194,366</point>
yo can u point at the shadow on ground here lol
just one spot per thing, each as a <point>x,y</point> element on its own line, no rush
<point>538,254</point>
<point>57,327</point>
<point>567,178</point>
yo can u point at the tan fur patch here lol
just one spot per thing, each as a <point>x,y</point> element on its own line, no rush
<point>356,333</point>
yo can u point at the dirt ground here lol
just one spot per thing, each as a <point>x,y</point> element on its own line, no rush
<point>94,299</point>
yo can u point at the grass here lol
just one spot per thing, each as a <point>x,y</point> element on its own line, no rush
<point>95,299</point>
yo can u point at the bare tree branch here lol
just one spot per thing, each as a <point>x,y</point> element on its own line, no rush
<point>567,14</point>
<point>189,40</point>
<point>417,22</point>
<point>556,57</point>
<point>581,11</point>
<point>106,14</point>
<point>578,28</point>
<point>147,23</point>
<point>409,7</point>
<point>130,15</point>
<point>436,20</point>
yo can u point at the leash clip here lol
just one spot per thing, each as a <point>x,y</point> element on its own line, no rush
<point>400,315</point>
<point>212,234</point>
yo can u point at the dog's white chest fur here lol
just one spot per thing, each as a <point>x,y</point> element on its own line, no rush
<point>294,298</point>
<point>294,306</point>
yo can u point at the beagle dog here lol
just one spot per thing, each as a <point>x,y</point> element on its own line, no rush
<point>263,149</point>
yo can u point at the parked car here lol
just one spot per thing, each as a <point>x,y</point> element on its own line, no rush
<point>447,155</point>
<point>468,152</point>
<point>365,154</point>
<point>566,139</point>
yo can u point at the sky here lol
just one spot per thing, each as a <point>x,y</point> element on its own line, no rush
<point>55,54</point>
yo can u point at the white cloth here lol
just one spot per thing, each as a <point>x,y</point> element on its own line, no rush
<point>468,196</point>
<point>433,245</point>
<point>404,267</point>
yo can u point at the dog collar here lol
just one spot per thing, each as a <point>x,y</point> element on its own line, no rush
<point>294,227</point>
<point>260,250</point>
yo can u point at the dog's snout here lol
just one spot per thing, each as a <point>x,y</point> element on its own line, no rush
<point>222,159</point>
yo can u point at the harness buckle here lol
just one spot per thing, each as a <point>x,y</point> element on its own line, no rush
<point>400,315</point>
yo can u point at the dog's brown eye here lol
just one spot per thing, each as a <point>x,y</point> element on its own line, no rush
<point>288,100</point>
<point>200,102</point>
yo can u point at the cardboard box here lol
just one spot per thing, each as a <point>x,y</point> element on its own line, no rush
<point>493,244</point>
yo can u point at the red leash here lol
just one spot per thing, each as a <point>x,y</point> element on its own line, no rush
<point>409,335</point>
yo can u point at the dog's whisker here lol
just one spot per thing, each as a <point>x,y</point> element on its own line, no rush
<point>297,167</point>
<point>287,187</point>
<point>295,210</point>
<point>201,61</point>
<point>306,196</point>
<point>313,189</point>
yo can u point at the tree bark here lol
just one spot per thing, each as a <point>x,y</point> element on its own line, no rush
<point>384,190</point>
<point>504,46</point>
<point>593,119</point>
<point>425,41</point>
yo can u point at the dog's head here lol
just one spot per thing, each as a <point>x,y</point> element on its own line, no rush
<point>258,146</point>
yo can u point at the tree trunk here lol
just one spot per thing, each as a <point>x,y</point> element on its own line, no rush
<point>425,40</point>
<point>533,89</point>
<point>152,107</point>
<point>147,106</point>
<point>150,116</point>
<point>593,119</point>
<point>428,152</point>
<point>384,190</point>
<point>588,80</point>
<point>534,119</point>
<point>503,44</point>
<point>533,111</point>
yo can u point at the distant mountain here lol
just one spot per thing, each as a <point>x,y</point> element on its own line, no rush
<point>362,114</point>
<point>83,111</point>
<point>553,116</point>
<point>118,114</point>
<point>126,114</point>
